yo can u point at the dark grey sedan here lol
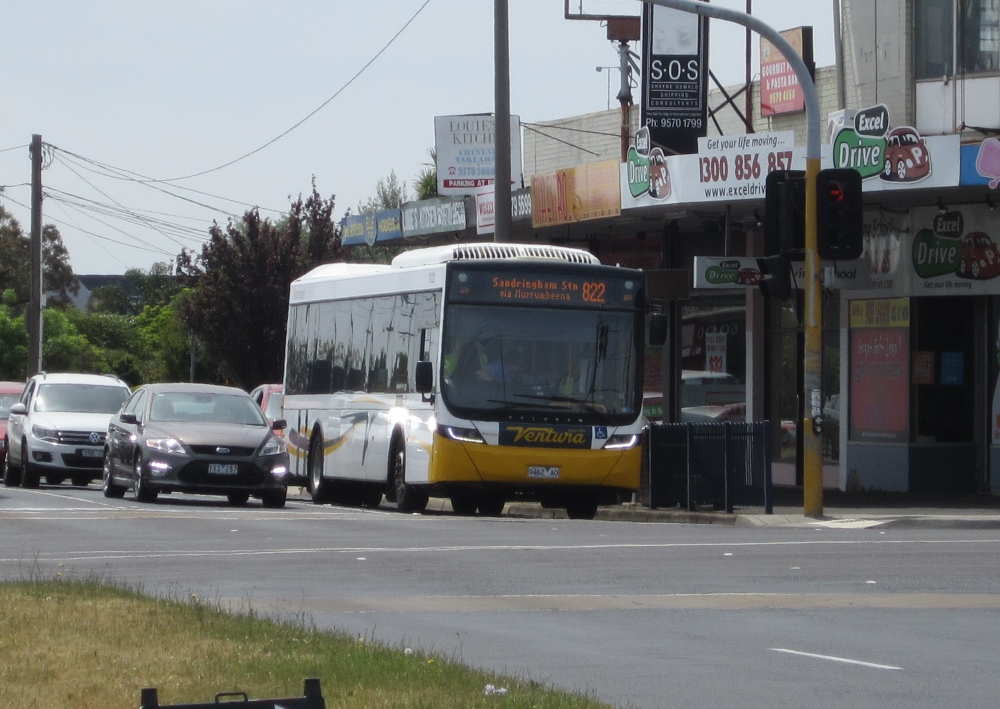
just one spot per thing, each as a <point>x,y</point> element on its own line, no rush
<point>195,438</point>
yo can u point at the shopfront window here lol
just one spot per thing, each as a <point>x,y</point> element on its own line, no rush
<point>943,356</point>
<point>977,38</point>
<point>935,37</point>
<point>713,361</point>
<point>980,35</point>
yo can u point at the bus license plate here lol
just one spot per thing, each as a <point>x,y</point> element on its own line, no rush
<point>223,468</point>
<point>549,472</point>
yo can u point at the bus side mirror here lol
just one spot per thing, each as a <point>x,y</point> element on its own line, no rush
<point>425,377</point>
<point>657,329</point>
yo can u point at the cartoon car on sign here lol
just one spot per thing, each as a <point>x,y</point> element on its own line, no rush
<point>749,277</point>
<point>980,258</point>
<point>906,156</point>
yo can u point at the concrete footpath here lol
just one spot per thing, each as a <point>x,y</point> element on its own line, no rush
<point>840,510</point>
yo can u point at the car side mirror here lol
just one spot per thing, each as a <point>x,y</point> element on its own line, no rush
<point>128,418</point>
<point>19,409</point>
<point>657,329</point>
<point>279,425</point>
<point>425,377</point>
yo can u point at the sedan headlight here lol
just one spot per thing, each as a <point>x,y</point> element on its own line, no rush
<point>165,445</point>
<point>45,434</point>
<point>274,446</point>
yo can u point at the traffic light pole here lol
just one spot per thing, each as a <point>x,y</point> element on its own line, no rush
<point>812,361</point>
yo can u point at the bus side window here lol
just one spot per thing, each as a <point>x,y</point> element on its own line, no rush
<point>319,376</point>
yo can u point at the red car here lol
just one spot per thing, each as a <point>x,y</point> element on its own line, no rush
<point>268,398</point>
<point>10,392</point>
<point>906,156</point>
<point>980,258</point>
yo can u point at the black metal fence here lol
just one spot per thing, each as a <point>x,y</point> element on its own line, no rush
<point>725,465</point>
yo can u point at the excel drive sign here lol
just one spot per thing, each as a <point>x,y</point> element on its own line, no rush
<point>465,147</point>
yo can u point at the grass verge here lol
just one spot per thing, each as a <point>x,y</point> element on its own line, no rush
<point>89,644</point>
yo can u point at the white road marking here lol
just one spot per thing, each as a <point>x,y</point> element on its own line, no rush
<point>832,658</point>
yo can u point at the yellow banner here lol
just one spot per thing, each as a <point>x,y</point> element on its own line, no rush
<point>576,194</point>
<point>887,312</point>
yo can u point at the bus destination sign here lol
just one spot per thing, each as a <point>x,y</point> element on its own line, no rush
<point>593,290</point>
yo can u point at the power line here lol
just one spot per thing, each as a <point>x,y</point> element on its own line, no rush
<point>315,111</point>
<point>118,173</point>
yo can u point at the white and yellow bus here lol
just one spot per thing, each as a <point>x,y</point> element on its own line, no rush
<point>483,373</point>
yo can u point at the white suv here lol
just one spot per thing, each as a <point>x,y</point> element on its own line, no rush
<point>58,427</point>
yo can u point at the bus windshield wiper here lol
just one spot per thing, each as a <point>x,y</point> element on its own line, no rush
<point>588,406</point>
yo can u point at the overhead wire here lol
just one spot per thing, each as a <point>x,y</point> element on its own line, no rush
<point>69,159</point>
<point>316,110</point>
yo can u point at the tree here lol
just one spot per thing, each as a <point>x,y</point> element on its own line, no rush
<point>58,278</point>
<point>237,299</point>
<point>390,193</point>
<point>426,183</point>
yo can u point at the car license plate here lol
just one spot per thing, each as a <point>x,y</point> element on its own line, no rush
<point>91,452</point>
<point>223,468</point>
<point>549,472</point>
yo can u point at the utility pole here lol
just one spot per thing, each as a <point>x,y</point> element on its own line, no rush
<point>34,316</point>
<point>501,117</point>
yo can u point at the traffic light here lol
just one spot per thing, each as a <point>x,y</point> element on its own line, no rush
<point>784,211</point>
<point>839,217</point>
<point>779,284</point>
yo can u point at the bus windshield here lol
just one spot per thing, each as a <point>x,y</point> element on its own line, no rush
<point>506,362</point>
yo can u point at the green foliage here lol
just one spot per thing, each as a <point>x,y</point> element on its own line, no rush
<point>237,303</point>
<point>15,262</point>
<point>426,181</point>
<point>390,193</point>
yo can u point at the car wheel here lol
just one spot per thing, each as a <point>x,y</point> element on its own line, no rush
<point>274,499</point>
<point>408,497</point>
<point>901,170</point>
<point>583,507</point>
<point>142,491</point>
<point>238,498</point>
<point>463,504</point>
<point>11,473</point>
<point>29,473</point>
<point>108,485</point>
<point>888,169</point>
<point>319,487</point>
<point>975,269</point>
<point>54,479</point>
<point>491,506</point>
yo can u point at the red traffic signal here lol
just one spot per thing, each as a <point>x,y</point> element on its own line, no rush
<point>839,215</point>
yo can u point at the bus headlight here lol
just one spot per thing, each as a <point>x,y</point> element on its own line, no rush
<point>621,441</point>
<point>462,435</point>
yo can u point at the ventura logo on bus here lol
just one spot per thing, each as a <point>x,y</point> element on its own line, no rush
<point>545,436</point>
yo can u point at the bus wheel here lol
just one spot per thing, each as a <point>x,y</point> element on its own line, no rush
<point>408,497</point>
<point>491,506</point>
<point>319,487</point>
<point>463,504</point>
<point>583,507</point>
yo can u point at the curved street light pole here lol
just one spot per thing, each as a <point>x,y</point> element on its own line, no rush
<point>812,361</point>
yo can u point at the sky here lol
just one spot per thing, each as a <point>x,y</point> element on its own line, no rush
<point>164,117</point>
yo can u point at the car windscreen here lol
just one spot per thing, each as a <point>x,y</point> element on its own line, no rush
<point>80,398</point>
<point>203,407</point>
<point>6,401</point>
